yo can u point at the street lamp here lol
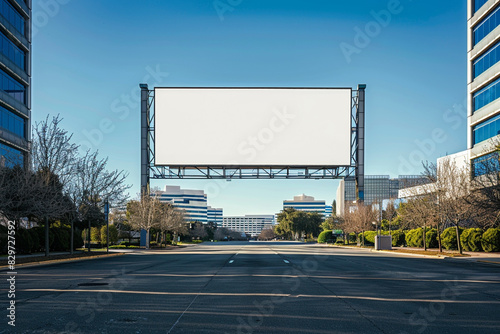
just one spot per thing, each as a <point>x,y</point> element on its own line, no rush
<point>106,216</point>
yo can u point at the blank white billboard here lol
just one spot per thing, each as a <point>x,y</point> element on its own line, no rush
<point>248,127</point>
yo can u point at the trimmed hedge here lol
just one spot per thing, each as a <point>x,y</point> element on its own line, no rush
<point>325,236</point>
<point>414,238</point>
<point>431,239</point>
<point>470,239</point>
<point>352,238</point>
<point>464,239</point>
<point>449,238</point>
<point>398,238</point>
<point>491,240</point>
<point>474,242</point>
<point>369,237</point>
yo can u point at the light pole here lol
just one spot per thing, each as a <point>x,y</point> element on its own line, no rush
<point>106,216</point>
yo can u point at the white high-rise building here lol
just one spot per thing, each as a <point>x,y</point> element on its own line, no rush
<point>192,202</point>
<point>306,203</point>
<point>251,225</point>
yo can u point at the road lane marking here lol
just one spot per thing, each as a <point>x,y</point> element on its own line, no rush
<point>416,300</point>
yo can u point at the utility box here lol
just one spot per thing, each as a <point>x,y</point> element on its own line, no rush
<point>383,242</point>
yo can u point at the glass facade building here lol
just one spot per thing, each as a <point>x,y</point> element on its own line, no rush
<point>15,82</point>
<point>378,188</point>
<point>484,82</point>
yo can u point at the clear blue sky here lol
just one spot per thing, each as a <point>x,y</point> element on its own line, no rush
<point>89,57</point>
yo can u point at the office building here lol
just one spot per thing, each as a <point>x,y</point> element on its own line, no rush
<point>483,80</point>
<point>305,203</point>
<point>251,225</point>
<point>15,82</point>
<point>378,188</point>
<point>328,211</point>
<point>192,202</point>
<point>214,215</point>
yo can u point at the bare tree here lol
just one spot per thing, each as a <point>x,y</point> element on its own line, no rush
<point>93,184</point>
<point>172,220</point>
<point>53,150</point>
<point>359,218</point>
<point>145,213</point>
<point>267,234</point>
<point>198,231</point>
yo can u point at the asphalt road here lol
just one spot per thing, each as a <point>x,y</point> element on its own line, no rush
<point>256,288</point>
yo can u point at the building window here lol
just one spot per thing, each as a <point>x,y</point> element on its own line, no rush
<point>13,16</point>
<point>486,95</point>
<point>11,51</point>
<point>12,122</point>
<point>486,130</point>
<point>10,157</point>
<point>487,25</point>
<point>478,4</point>
<point>485,164</point>
<point>486,61</point>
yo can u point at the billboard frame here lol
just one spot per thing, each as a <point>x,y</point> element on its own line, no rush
<point>150,171</point>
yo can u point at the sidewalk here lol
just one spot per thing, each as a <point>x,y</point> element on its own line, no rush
<point>39,259</point>
<point>482,257</point>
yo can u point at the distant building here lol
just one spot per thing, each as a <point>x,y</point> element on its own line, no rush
<point>306,203</point>
<point>328,211</point>
<point>15,82</point>
<point>192,202</point>
<point>251,225</point>
<point>214,215</point>
<point>377,189</point>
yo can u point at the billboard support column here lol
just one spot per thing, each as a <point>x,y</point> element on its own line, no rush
<point>360,153</point>
<point>144,138</point>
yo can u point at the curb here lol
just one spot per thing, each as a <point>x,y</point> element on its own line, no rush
<point>437,257</point>
<point>43,263</point>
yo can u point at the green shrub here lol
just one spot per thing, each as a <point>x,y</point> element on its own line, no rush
<point>60,239</point>
<point>370,236</point>
<point>431,239</point>
<point>464,239</point>
<point>449,238</point>
<point>36,247</point>
<point>414,238</point>
<point>352,238</point>
<point>474,240</point>
<point>325,236</point>
<point>95,234</point>
<point>398,238</point>
<point>491,240</point>
<point>24,242</point>
<point>123,246</point>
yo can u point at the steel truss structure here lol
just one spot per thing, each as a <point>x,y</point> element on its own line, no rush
<point>150,171</point>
